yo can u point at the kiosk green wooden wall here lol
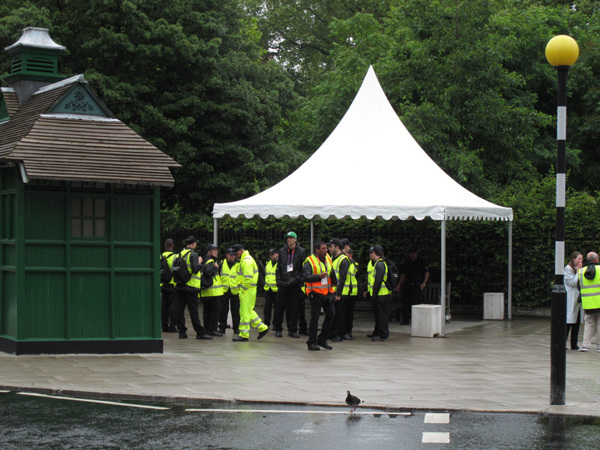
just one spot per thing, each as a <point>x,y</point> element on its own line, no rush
<point>79,216</point>
<point>79,267</point>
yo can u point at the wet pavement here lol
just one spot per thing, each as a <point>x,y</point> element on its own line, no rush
<point>481,366</point>
<point>33,421</point>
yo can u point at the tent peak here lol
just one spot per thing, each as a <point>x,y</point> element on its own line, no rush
<point>370,137</point>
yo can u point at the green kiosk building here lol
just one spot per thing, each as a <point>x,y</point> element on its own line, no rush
<point>79,215</point>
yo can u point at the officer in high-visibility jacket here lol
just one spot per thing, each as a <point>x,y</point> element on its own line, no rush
<point>167,291</point>
<point>228,271</point>
<point>368,289</point>
<point>248,278</point>
<point>319,278</point>
<point>352,296</point>
<point>341,263</point>
<point>270,285</point>
<point>589,285</point>
<point>380,294</point>
<point>186,294</point>
<point>211,296</point>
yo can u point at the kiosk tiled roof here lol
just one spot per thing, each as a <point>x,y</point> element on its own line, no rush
<point>12,101</point>
<point>57,138</point>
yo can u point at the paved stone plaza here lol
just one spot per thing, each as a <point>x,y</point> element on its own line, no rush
<point>479,366</point>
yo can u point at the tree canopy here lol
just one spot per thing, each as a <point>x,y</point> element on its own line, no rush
<point>468,78</point>
<point>188,75</point>
<point>240,92</point>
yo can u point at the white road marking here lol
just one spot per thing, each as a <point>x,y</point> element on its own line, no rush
<point>279,411</point>
<point>4,392</point>
<point>86,400</point>
<point>436,438</point>
<point>437,418</point>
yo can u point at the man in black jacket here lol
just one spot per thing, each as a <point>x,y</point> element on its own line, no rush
<point>380,294</point>
<point>319,276</point>
<point>187,294</point>
<point>414,274</point>
<point>341,264</point>
<point>289,284</point>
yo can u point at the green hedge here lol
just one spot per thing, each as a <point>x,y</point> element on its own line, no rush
<point>476,250</point>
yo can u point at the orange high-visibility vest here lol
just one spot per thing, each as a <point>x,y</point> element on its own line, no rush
<point>318,268</point>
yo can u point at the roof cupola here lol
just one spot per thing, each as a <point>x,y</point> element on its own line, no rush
<point>34,62</point>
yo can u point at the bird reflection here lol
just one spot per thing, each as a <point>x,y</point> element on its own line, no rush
<point>353,419</point>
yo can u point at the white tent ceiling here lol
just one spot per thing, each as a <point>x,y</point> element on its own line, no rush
<point>399,179</point>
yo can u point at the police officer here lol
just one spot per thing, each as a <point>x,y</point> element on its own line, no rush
<point>187,294</point>
<point>352,296</point>
<point>320,281</point>
<point>270,285</point>
<point>346,249</point>
<point>248,279</point>
<point>380,294</point>
<point>167,290</point>
<point>228,271</point>
<point>211,296</point>
<point>588,283</point>
<point>341,264</point>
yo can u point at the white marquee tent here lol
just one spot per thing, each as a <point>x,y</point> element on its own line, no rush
<point>402,180</point>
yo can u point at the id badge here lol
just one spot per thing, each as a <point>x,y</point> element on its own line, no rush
<point>324,280</point>
<point>290,267</point>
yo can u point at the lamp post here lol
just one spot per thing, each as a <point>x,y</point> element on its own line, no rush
<point>561,52</point>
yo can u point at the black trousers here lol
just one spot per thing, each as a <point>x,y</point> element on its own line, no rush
<point>318,302</point>
<point>574,328</point>
<point>302,325</point>
<point>339,323</point>
<point>226,300</point>
<point>270,302</point>
<point>211,307</point>
<point>412,295</point>
<point>380,307</point>
<point>189,299</point>
<point>288,300</point>
<point>166,302</point>
<point>349,315</point>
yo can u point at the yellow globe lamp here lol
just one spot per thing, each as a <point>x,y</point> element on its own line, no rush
<point>562,50</point>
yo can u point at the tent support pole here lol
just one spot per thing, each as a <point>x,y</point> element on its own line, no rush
<point>312,235</point>
<point>443,281</point>
<point>216,231</point>
<point>510,269</point>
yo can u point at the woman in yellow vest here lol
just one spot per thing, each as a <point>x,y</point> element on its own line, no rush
<point>211,296</point>
<point>320,281</point>
<point>589,285</point>
<point>270,285</point>
<point>228,272</point>
<point>167,290</point>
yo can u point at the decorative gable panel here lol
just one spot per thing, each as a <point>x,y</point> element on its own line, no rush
<point>80,100</point>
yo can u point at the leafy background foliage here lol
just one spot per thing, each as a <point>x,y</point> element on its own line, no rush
<point>241,92</point>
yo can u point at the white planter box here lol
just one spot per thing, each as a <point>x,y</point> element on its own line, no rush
<point>426,320</point>
<point>493,306</point>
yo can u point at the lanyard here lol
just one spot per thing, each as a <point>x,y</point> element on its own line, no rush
<point>291,260</point>
<point>322,264</point>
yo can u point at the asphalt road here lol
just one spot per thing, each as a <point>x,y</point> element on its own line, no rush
<point>53,421</point>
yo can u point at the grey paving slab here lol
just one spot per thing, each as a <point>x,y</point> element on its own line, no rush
<point>479,365</point>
